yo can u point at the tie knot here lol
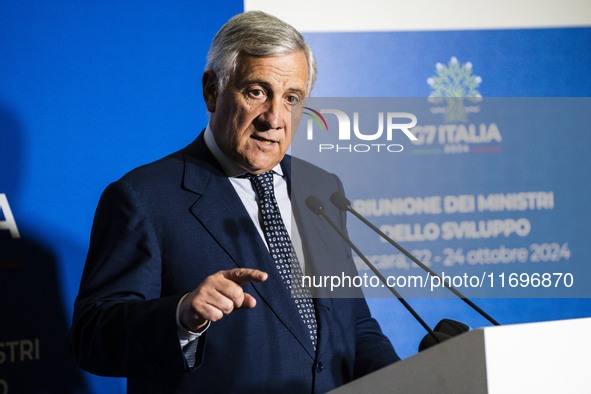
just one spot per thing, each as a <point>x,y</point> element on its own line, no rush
<point>263,183</point>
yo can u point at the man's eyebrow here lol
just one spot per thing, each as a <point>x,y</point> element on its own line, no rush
<point>267,85</point>
<point>297,90</point>
<point>250,82</point>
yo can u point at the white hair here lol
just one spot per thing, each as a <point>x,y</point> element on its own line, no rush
<point>255,33</point>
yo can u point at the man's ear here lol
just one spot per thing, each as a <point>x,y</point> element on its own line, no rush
<point>209,83</point>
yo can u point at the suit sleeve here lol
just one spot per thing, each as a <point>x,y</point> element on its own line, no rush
<point>121,325</point>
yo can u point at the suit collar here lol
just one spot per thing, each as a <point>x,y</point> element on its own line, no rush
<point>199,166</point>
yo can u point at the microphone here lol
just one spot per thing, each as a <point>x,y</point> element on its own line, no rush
<point>444,330</point>
<point>342,203</point>
<point>316,206</point>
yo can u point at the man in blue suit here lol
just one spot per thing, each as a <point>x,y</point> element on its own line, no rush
<point>182,289</point>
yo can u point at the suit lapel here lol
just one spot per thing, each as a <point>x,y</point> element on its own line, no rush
<point>232,228</point>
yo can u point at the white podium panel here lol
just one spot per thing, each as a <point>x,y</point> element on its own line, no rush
<point>548,357</point>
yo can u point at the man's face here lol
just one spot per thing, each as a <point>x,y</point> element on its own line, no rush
<point>254,117</point>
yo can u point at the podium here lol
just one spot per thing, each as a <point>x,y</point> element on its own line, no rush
<point>548,357</point>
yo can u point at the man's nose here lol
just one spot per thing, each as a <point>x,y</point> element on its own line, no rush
<point>272,115</point>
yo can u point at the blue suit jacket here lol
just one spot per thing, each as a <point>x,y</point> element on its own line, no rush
<point>163,228</point>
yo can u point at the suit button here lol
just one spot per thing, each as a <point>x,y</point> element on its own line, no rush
<point>319,367</point>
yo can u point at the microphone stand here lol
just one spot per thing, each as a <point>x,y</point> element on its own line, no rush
<point>342,203</point>
<point>315,205</point>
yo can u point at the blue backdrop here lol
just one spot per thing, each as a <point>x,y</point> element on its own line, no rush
<point>534,155</point>
<point>88,90</point>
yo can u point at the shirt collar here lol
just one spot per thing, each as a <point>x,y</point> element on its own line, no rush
<point>231,169</point>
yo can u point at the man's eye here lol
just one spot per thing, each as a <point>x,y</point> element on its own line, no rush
<point>256,93</point>
<point>293,100</point>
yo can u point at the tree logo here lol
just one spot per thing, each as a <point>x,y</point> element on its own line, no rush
<point>453,86</point>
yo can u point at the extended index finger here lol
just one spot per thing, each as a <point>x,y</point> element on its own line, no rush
<point>243,275</point>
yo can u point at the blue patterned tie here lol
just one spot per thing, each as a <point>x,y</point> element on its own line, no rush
<point>282,250</point>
